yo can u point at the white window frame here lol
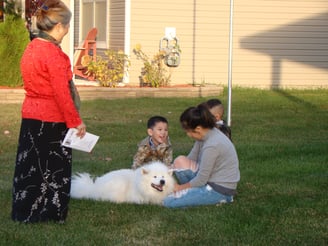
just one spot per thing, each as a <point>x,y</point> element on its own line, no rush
<point>102,44</point>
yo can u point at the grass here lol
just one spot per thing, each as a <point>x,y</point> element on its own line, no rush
<point>281,137</point>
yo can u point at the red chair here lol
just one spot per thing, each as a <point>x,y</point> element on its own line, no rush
<point>86,52</point>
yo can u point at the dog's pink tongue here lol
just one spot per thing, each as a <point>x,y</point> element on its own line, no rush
<point>157,187</point>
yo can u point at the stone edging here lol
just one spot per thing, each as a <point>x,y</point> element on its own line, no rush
<point>90,93</point>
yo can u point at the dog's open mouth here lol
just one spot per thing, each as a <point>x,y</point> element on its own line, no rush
<point>157,187</point>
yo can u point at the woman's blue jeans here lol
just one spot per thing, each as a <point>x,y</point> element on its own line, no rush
<point>196,196</point>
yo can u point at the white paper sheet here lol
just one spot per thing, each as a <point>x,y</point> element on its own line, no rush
<point>84,144</point>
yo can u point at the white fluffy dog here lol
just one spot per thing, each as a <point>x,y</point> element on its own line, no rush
<point>150,183</point>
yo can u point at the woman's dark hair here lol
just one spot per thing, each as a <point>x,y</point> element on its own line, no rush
<point>51,13</point>
<point>197,116</point>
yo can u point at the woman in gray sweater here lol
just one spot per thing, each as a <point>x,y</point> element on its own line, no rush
<point>210,173</point>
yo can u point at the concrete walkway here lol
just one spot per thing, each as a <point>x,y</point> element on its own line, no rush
<point>95,92</point>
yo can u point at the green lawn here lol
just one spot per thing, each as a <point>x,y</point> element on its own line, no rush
<point>281,137</point>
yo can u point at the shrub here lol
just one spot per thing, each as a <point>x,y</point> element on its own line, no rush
<point>153,73</point>
<point>109,70</point>
<point>13,40</point>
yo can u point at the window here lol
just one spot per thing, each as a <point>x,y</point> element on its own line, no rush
<point>94,14</point>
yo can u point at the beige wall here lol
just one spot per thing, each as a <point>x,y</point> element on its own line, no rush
<point>66,43</point>
<point>275,43</point>
<point>201,28</point>
<point>281,43</point>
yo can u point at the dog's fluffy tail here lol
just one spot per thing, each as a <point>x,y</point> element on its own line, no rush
<point>82,186</point>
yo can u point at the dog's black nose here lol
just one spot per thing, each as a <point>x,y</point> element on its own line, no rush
<point>162,182</point>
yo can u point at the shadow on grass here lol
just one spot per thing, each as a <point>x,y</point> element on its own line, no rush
<point>294,98</point>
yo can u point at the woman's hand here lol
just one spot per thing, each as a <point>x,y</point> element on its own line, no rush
<point>82,129</point>
<point>178,187</point>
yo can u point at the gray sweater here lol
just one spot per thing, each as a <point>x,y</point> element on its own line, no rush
<point>217,159</point>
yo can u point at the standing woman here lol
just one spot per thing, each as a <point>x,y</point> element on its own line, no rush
<point>42,178</point>
<point>210,173</point>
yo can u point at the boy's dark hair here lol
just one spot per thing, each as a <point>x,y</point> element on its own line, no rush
<point>154,120</point>
<point>213,102</point>
<point>225,130</point>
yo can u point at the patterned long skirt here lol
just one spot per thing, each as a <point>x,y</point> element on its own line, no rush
<point>42,178</point>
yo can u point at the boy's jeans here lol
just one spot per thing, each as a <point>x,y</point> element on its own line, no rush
<point>203,195</point>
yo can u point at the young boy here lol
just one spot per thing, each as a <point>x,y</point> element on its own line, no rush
<point>156,146</point>
<point>217,110</point>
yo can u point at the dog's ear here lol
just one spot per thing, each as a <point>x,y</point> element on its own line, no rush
<point>144,170</point>
<point>170,172</point>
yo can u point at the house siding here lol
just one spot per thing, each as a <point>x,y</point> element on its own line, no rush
<point>201,28</point>
<point>275,43</point>
<point>281,44</point>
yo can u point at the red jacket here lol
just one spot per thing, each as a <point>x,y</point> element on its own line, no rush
<point>46,72</point>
